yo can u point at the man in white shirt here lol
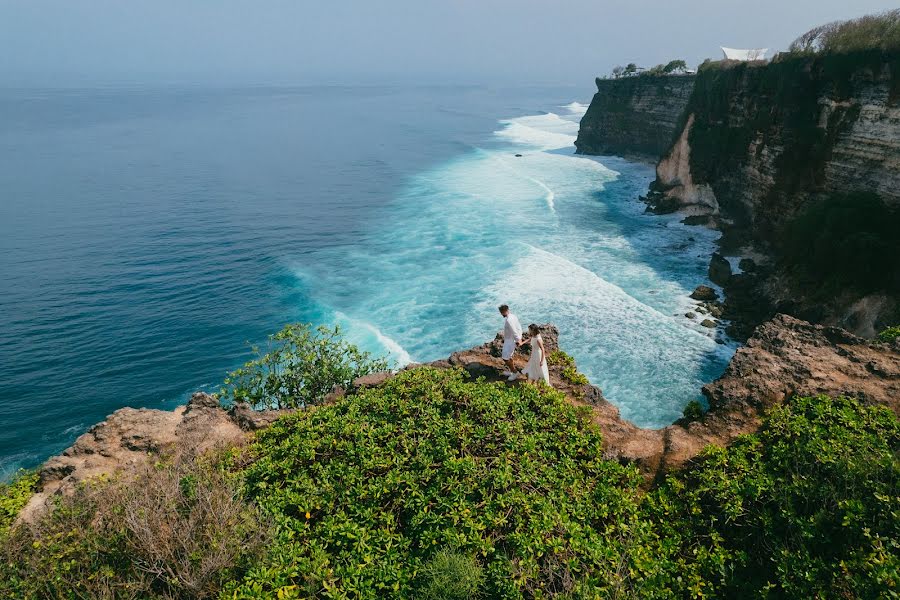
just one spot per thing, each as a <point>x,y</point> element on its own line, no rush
<point>512,338</point>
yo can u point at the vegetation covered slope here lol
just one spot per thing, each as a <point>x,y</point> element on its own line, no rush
<point>435,486</point>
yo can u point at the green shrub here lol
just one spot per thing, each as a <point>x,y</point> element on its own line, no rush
<point>13,497</point>
<point>572,375</point>
<point>560,358</point>
<point>806,508</point>
<point>693,411</point>
<point>890,334</point>
<point>368,490</point>
<point>451,575</point>
<point>878,31</point>
<point>302,366</point>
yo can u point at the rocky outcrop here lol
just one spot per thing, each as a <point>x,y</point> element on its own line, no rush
<point>785,357</point>
<point>129,438</point>
<point>634,116</point>
<point>762,146</point>
<point>763,138</point>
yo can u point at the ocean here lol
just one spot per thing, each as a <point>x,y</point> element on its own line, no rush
<point>149,235</point>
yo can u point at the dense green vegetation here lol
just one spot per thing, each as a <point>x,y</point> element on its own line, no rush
<point>673,67</point>
<point>890,334</point>
<point>368,490</point>
<point>809,507</point>
<point>303,364</point>
<point>438,487</point>
<point>878,31</point>
<point>13,497</point>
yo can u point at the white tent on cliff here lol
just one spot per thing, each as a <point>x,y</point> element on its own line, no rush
<point>745,55</point>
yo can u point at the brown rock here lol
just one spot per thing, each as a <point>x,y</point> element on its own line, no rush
<point>371,380</point>
<point>130,437</point>
<point>719,270</point>
<point>704,292</point>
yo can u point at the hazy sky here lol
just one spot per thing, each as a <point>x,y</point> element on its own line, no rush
<point>371,41</point>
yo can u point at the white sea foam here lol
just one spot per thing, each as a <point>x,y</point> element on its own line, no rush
<point>576,108</point>
<point>394,350</point>
<point>476,231</point>
<point>647,362</point>
<point>547,132</point>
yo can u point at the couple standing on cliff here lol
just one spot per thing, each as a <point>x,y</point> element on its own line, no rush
<point>536,369</point>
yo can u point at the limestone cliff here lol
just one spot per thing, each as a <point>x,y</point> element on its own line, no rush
<point>634,116</point>
<point>782,157</point>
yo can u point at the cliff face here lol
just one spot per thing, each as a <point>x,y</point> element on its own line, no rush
<point>634,116</point>
<point>764,139</point>
<point>793,159</point>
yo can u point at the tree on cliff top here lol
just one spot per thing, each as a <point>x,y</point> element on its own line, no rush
<point>675,66</point>
<point>865,33</point>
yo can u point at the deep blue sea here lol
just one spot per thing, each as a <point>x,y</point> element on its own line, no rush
<point>150,235</point>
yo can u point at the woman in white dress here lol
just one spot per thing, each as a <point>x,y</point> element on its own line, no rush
<point>536,369</point>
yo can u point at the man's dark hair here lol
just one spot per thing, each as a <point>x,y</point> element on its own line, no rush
<point>503,307</point>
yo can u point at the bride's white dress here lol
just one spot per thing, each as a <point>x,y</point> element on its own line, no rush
<point>534,369</point>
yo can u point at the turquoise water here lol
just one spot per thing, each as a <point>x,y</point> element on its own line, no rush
<point>149,235</point>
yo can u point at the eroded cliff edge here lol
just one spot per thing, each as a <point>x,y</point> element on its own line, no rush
<point>785,357</point>
<point>797,161</point>
<point>634,116</point>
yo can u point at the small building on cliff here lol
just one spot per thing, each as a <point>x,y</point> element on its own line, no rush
<point>745,55</point>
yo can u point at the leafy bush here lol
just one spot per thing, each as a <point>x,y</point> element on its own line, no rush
<point>675,66</point>
<point>878,31</point>
<point>572,375</point>
<point>13,497</point>
<point>890,334</point>
<point>693,411</point>
<point>560,358</point>
<point>367,491</point>
<point>302,366</point>
<point>451,575</point>
<point>176,531</point>
<point>805,508</point>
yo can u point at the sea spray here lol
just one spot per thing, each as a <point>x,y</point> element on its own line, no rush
<point>520,219</point>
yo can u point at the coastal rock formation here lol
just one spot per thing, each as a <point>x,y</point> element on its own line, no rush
<point>761,146</point>
<point>634,116</point>
<point>763,138</point>
<point>131,437</point>
<point>785,357</point>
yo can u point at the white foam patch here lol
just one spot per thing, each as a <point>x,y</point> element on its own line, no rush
<point>559,236</point>
<point>576,108</point>
<point>546,132</point>
<point>355,327</point>
<point>647,363</point>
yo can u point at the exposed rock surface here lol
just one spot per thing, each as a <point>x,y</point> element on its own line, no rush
<point>130,437</point>
<point>634,116</point>
<point>719,269</point>
<point>704,292</point>
<point>785,357</point>
<point>760,143</point>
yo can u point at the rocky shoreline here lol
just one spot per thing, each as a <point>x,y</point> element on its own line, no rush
<point>785,357</point>
<point>754,149</point>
